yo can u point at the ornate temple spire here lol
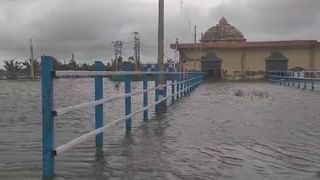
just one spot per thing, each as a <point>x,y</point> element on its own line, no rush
<point>223,21</point>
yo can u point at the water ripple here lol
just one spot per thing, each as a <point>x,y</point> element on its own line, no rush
<point>222,131</point>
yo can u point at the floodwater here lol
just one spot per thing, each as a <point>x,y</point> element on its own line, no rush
<point>222,131</point>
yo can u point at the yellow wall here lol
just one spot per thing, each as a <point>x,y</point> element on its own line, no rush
<point>254,58</point>
<point>231,59</point>
<point>298,57</point>
<point>193,65</point>
<point>193,59</point>
<point>317,59</point>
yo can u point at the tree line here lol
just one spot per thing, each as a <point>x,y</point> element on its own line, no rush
<point>15,69</point>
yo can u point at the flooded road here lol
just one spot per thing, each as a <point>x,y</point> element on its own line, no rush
<point>223,131</point>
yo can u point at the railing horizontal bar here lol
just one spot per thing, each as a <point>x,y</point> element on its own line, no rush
<point>90,74</point>
<point>65,110</point>
<point>294,71</point>
<point>87,104</point>
<point>88,135</point>
<point>301,83</point>
<point>290,77</point>
<point>84,137</point>
<point>163,99</point>
<point>155,103</point>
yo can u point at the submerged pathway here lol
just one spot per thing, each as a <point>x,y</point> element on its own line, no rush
<point>222,131</point>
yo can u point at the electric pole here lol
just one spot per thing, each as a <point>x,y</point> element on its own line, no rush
<point>31,60</point>
<point>176,52</point>
<point>195,45</point>
<point>195,34</point>
<point>162,90</point>
<point>137,50</point>
<point>161,40</point>
<point>117,45</point>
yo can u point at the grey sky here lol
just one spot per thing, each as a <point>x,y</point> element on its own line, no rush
<point>87,28</point>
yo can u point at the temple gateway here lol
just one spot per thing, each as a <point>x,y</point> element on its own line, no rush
<point>224,53</point>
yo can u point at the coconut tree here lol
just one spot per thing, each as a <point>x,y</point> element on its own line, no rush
<point>27,67</point>
<point>2,73</point>
<point>12,67</point>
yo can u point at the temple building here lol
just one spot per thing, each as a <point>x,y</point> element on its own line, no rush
<point>224,53</point>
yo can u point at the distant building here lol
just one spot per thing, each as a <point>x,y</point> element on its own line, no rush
<point>128,66</point>
<point>168,67</point>
<point>224,53</point>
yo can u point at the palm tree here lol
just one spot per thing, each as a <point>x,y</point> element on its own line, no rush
<point>2,73</point>
<point>12,67</point>
<point>27,67</point>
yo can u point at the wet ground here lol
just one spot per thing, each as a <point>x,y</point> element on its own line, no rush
<point>221,131</point>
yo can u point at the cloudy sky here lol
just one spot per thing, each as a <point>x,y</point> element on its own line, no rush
<point>87,28</point>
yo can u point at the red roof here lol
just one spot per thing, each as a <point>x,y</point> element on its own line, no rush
<point>253,44</point>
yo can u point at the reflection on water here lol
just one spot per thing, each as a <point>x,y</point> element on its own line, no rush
<point>222,131</point>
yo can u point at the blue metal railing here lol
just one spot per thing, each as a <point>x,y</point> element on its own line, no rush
<point>300,79</point>
<point>181,84</point>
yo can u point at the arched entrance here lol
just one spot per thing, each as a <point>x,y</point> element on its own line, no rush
<point>276,61</point>
<point>211,66</point>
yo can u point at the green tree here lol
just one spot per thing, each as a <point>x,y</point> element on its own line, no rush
<point>109,67</point>
<point>12,68</point>
<point>2,73</point>
<point>85,67</point>
<point>26,69</point>
<point>73,65</point>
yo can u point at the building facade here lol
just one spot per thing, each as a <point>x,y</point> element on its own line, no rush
<point>224,53</point>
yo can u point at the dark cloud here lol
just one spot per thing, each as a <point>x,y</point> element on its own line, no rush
<point>273,19</point>
<point>87,28</point>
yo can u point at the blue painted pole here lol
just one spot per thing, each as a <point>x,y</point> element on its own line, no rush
<point>145,97</point>
<point>192,82</point>
<point>47,75</point>
<point>181,85</point>
<point>172,89</point>
<point>164,92</point>
<point>128,103</point>
<point>185,85</point>
<point>178,85</point>
<point>195,81</point>
<point>299,80</point>
<point>188,83</point>
<point>198,76</point>
<point>98,84</point>
<point>156,92</point>
<point>293,82</point>
<point>199,79</point>
<point>202,77</point>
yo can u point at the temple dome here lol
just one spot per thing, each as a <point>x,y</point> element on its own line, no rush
<point>223,32</point>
